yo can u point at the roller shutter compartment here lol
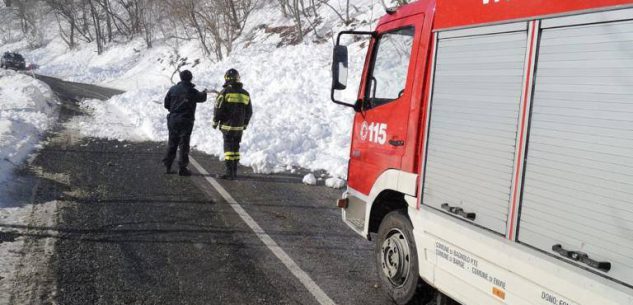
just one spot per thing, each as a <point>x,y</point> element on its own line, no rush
<point>578,187</point>
<point>473,126</point>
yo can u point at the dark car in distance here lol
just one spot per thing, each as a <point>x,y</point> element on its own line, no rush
<point>12,60</point>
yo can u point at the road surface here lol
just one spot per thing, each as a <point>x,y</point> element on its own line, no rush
<point>119,231</point>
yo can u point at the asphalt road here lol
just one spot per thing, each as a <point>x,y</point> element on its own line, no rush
<point>125,233</point>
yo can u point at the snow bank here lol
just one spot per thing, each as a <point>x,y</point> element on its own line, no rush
<point>108,120</point>
<point>294,125</point>
<point>123,65</point>
<point>336,183</point>
<point>309,179</point>
<point>27,110</point>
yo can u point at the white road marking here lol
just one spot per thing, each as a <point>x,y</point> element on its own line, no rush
<point>301,275</point>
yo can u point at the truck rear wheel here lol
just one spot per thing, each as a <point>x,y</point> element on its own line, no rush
<point>396,257</point>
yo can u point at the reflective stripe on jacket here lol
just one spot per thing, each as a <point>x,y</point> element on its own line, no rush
<point>229,156</point>
<point>231,128</point>
<point>233,108</point>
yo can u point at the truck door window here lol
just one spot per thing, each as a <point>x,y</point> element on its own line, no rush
<point>388,77</point>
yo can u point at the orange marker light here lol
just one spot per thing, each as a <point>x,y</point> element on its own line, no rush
<point>499,293</point>
<point>342,203</point>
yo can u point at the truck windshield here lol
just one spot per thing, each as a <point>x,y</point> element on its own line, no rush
<point>391,63</point>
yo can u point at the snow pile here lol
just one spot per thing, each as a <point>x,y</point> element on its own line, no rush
<point>309,179</point>
<point>123,66</point>
<point>27,110</point>
<point>294,124</point>
<point>334,182</point>
<point>107,121</point>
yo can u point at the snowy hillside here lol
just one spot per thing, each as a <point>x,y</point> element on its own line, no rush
<point>294,123</point>
<point>27,110</point>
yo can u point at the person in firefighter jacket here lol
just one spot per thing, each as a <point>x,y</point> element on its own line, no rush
<point>233,111</point>
<point>181,102</point>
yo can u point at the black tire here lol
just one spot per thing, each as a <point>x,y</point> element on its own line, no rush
<point>396,258</point>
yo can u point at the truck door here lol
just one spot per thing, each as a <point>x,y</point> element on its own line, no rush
<point>472,139</point>
<point>578,190</point>
<point>379,138</point>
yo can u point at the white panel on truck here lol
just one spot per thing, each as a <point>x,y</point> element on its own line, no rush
<point>473,127</point>
<point>578,188</point>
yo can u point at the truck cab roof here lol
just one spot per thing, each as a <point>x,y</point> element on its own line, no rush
<point>410,9</point>
<point>451,14</point>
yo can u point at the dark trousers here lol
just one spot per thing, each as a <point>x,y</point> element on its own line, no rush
<point>232,141</point>
<point>179,137</point>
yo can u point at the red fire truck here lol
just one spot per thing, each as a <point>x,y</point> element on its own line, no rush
<point>492,150</point>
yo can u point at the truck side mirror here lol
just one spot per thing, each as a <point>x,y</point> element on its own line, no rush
<point>339,68</point>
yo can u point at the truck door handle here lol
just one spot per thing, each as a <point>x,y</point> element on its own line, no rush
<point>459,212</point>
<point>582,258</point>
<point>396,142</point>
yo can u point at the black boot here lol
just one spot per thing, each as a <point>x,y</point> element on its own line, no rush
<point>234,168</point>
<point>184,172</point>
<point>228,175</point>
<point>167,165</point>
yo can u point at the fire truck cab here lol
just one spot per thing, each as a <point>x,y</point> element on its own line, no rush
<point>492,151</point>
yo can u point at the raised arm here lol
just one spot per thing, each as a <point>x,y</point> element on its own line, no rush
<point>201,96</point>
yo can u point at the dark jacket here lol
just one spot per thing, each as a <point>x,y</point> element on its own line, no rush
<point>233,108</point>
<point>181,101</point>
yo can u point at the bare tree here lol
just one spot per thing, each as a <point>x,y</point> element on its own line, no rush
<point>304,11</point>
<point>149,14</point>
<point>344,16</point>
<point>216,24</point>
<point>30,16</point>
<point>69,17</point>
<point>224,20</point>
<point>294,9</point>
<point>8,25</point>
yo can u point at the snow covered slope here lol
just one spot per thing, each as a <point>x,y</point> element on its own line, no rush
<point>27,110</point>
<point>294,123</point>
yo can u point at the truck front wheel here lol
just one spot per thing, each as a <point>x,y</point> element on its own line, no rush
<point>396,257</point>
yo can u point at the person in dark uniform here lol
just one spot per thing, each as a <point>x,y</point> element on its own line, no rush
<point>233,111</point>
<point>181,102</point>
